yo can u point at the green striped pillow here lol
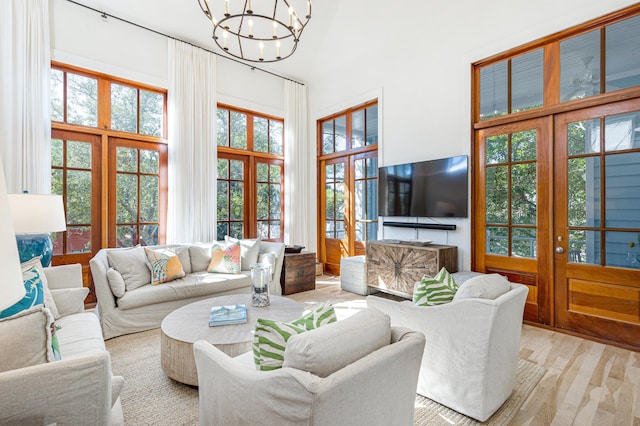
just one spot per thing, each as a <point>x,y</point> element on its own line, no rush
<point>322,315</point>
<point>271,336</point>
<point>435,291</point>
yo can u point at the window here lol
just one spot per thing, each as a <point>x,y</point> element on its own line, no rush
<point>104,126</point>
<point>511,195</point>
<point>582,65</point>
<point>250,174</point>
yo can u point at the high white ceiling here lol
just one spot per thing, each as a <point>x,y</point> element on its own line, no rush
<point>184,20</point>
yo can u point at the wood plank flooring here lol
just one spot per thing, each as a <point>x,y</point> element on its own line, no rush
<point>586,383</point>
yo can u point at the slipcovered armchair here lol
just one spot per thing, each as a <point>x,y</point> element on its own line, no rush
<point>472,345</point>
<point>375,389</point>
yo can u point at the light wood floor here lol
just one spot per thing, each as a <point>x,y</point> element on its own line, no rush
<point>586,383</point>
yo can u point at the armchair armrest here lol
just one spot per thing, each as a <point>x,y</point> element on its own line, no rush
<point>269,397</point>
<point>68,392</point>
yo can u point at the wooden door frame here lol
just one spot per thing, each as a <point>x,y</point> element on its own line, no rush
<point>535,273</point>
<point>575,321</point>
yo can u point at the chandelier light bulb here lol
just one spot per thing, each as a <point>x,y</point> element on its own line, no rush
<point>278,49</point>
<point>251,28</point>
<point>308,8</point>
<point>290,16</point>
<point>249,10</point>
<point>225,36</point>
<point>261,51</point>
<point>226,7</point>
<point>275,29</point>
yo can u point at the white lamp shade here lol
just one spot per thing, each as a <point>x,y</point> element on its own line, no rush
<point>11,284</point>
<point>37,214</point>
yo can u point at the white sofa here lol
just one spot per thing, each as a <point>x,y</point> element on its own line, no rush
<point>79,389</point>
<point>122,310</point>
<point>357,371</point>
<point>472,345</point>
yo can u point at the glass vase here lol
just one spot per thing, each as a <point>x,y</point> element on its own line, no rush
<point>260,280</point>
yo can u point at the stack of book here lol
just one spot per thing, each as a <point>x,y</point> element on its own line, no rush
<point>227,315</point>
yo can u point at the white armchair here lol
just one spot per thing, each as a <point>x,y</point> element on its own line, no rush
<point>471,354</point>
<point>376,389</point>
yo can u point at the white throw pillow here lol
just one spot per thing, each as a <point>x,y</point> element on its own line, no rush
<point>328,349</point>
<point>183,255</point>
<point>249,250</point>
<point>116,282</point>
<point>132,265</point>
<point>268,259</point>
<point>486,286</point>
<point>200,257</point>
<point>26,339</point>
<point>70,300</point>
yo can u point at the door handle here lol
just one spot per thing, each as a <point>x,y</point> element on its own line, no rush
<point>559,250</point>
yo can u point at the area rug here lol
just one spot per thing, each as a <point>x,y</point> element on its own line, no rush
<point>149,397</point>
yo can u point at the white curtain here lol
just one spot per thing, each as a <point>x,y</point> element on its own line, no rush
<point>192,144</point>
<point>25,123</point>
<point>299,193</point>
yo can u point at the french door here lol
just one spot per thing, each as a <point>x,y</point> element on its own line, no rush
<point>512,203</point>
<point>597,222</point>
<point>557,208</point>
<point>349,216</point>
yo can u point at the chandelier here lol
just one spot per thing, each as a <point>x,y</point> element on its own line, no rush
<point>258,30</point>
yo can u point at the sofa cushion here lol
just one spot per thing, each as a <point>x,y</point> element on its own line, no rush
<point>435,291</point>
<point>70,300</point>
<point>489,286</point>
<point>79,334</point>
<point>116,283</point>
<point>225,258</point>
<point>131,264</point>
<point>183,255</point>
<point>249,250</point>
<point>193,285</point>
<point>164,264</point>
<point>200,256</point>
<point>328,349</point>
<point>26,339</point>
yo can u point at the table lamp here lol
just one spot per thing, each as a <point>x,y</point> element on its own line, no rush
<point>35,216</point>
<point>11,284</point>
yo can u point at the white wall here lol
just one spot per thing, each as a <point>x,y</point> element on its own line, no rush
<point>80,37</point>
<point>419,54</point>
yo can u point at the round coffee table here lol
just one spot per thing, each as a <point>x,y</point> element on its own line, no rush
<point>184,326</point>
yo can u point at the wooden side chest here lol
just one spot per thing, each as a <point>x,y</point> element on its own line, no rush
<point>298,272</point>
<point>395,268</point>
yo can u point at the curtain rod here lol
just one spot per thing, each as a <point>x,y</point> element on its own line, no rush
<point>105,15</point>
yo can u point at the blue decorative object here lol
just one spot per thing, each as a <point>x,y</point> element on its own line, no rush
<point>34,245</point>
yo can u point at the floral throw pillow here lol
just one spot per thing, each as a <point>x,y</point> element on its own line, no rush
<point>225,258</point>
<point>435,291</point>
<point>164,264</point>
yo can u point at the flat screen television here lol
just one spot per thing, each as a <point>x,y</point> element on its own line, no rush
<point>434,188</point>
